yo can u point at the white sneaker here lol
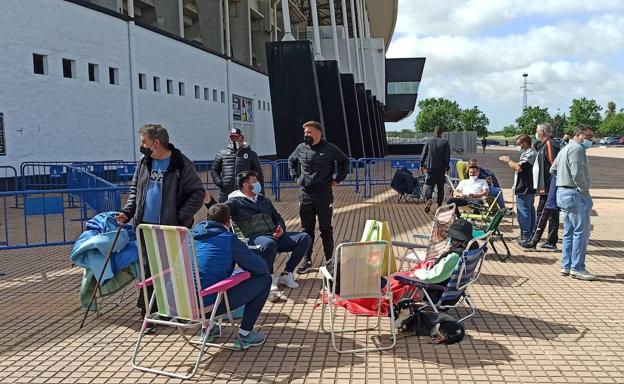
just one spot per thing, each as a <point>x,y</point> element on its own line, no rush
<point>274,283</point>
<point>582,275</point>
<point>288,280</point>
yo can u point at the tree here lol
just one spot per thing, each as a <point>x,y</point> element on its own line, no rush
<point>585,111</point>
<point>474,120</point>
<point>438,112</point>
<point>531,116</point>
<point>610,109</point>
<point>559,124</point>
<point>612,125</point>
<point>509,130</point>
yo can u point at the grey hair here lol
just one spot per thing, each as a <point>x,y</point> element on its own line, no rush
<point>156,131</point>
<point>580,128</point>
<point>546,127</point>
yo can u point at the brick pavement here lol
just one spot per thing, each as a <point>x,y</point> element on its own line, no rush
<point>532,325</point>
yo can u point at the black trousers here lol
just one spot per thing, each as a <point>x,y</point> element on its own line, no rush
<point>318,204</point>
<point>546,216</point>
<point>463,202</point>
<point>435,178</point>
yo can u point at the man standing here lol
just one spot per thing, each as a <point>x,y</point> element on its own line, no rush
<point>237,157</point>
<point>573,182</point>
<point>525,191</point>
<point>547,150</point>
<point>165,189</point>
<point>483,144</point>
<point>313,164</point>
<point>435,160</point>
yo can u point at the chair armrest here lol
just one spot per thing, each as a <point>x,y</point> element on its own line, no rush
<point>225,284</point>
<point>423,236</point>
<point>147,283</point>
<point>326,273</point>
<point>418,283</point>
<point>407,245</point>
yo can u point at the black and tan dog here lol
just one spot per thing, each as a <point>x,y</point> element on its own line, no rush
<point>412,319</point>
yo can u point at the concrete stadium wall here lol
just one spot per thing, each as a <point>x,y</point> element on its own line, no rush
<point>52,118</point>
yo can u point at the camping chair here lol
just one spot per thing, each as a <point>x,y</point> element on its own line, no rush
<point>359,276</point>
<point>454,292</point>
<point>496,233</point>
<point>177,289</point>
<point>437,240</point>
<point>462,170</point>
<point>484,213</point>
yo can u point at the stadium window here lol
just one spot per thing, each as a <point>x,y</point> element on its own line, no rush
<point>269,107</point>
<point>206,94</point>
<point>170,87</point>
<point>142,81</point>
<point>69,69</point>
<point>223,97</point>
<point>214,95</point>
<point>40,64</point>
<point>181,88</point>
<point>94,72</point>
<point>197,92</point>
<point>113,76</point>
<point>156,81</point>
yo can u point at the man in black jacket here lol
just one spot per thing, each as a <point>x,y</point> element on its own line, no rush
<point>256,218</point>
<point>435,160</point>
<point>237,157</point>
<point>313,164</point>
<point>165,189</point>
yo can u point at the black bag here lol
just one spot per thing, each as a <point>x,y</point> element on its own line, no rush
<point>403,181</point>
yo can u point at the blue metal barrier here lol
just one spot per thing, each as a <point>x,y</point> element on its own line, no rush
<point>43,175</point>
<point>9,180</point>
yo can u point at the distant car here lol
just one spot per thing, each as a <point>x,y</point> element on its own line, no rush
<point>493,142</point>
<point>605,140</point>
<point>613,141</point>
<point>622,140</point>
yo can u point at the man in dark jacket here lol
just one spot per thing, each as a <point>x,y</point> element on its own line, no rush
<point>236,158</point>
<point>256,218</point>
<point>547,150</point>
<point>165,188</point>
<point>435,159</point>
<point>218,250</point>
<point>313,164</point>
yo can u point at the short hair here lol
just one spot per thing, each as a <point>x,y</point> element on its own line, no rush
<point>580,128</point>
<point>219,213</point>
<point>524,138</point>
<point>156,132</point>
<point>244,176</point>
<point>546,127</point>
<point>314,124</point>
<point>438,131</point>
<point>473,160</point>
<point>473,166</point>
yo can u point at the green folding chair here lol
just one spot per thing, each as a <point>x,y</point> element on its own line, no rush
<point>493,226</point>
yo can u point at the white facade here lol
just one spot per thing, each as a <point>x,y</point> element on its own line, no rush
<point>48,117</point>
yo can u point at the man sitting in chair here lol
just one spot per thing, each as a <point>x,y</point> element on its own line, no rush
<point>217,251</point>
<point>470,191</point>
<point>492,181</point>
<point>257,219</point>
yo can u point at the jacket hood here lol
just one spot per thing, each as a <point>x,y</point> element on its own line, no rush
<point>239,193</point>
<point>207,229</point>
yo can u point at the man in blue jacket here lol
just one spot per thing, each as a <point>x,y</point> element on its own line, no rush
<point>217,251</point>
<point>257,219</point>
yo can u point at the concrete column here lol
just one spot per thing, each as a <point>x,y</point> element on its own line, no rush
<point>288,36</point>
<point>210,21</point>
<point>315,29</point>
<point>332,12</point>
<point>345,26</point>
<point>240,31</point>
<point>168,16</point>
<point>358,78</point>
<point>361,33</point>
<point>260,34</point>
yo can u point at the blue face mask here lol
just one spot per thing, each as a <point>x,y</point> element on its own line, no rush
<point>586,144</point>
<point>257,187</point>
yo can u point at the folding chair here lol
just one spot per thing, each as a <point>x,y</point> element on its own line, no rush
<point>484,213</point>
<point>496,233</point>
<point>454,292</point>
<point>437,240</point>
<point>359,277</point>
<point>177,289</point>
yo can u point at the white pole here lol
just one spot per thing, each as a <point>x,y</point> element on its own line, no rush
<point>358,78</point>
<point>228,42</point>
<point>131,8</point>
<point>286,18</point>
<point>315,29</point>
<point>134,107</point>
<point>332,13</point>
<point>345,25</point>
<point>181,17</point>
<point>361,32</point>
<point>275,20</point>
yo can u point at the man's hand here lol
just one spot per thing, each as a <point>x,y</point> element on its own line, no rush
<point>334,183</point>
<point>504,158</point>
<point>121,218</point>
<point>423,169</point>
<point>279,231</point>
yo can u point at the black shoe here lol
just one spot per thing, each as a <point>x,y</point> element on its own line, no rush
<point>549,246</point>
<point>428,206</point>
<point>526,246</point>
<point>305,267</point>
<point>149,329</point>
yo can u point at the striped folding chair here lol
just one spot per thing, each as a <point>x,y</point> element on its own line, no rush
<point>437,240</point>
<point>170,252</point>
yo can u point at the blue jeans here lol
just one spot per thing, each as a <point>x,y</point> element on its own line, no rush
<point>297,243</point>
<point>252,293</point>
<point>576,209</point>
<point>493,192</point>
<point>526,216</point>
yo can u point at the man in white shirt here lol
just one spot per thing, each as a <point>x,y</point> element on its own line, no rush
<point>470,191</point>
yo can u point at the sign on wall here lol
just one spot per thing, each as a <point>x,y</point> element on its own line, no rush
<point>2,138</point>
<point>242,109</point>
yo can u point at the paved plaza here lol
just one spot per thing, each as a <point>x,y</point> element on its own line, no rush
<point>532,325</point>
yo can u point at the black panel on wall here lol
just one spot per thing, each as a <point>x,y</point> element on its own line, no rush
<point>364,120</point>
<point>373,123</point>
<point>377,126</point>
<point>332,104</point>
<point>353,115</point>
<point>294,92</point>
<point>384,136</point>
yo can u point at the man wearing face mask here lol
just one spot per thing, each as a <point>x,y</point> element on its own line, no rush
<point>547,150</point>
<point>573,183</point>
<point>256,219</point>
<point>165,189</point>
<point>229,162</point>
<point>317,165</point>
<point>470,191</point>
<point>525,189</point>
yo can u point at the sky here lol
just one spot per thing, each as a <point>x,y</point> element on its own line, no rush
<point>477,50</point>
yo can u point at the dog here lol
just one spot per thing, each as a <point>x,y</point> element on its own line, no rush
<point>411,318</point>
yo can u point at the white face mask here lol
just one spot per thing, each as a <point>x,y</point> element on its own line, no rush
<point>474,178</point>
<point>537,136</point>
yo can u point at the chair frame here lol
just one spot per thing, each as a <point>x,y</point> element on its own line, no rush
<point>329,291</point>
<point>498,235</point>
<point>219,288</point>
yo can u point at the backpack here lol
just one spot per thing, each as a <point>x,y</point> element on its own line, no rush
<point>403,181</point>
